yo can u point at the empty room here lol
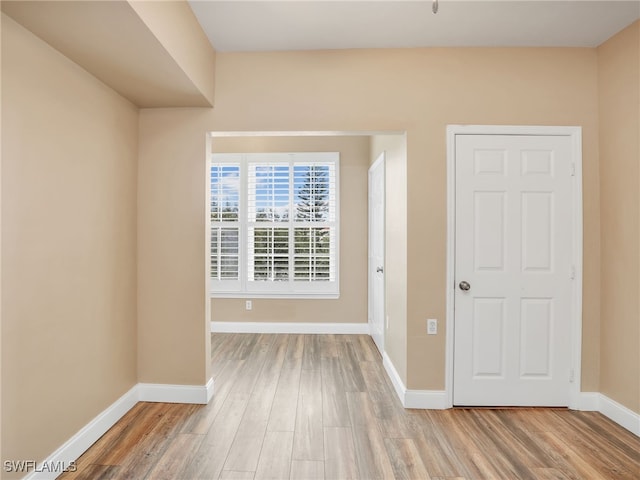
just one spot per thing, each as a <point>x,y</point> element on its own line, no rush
<point>320,239</point>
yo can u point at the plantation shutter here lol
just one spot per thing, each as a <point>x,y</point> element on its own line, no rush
<point>288,225</point>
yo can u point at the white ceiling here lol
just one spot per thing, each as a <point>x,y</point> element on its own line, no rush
<point>265,25</point>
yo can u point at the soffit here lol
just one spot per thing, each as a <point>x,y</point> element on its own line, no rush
<point>110,41</point>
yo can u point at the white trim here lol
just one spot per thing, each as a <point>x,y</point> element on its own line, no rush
<point>157,392</point>
<point>588,402</point>
<point>419,399</point>
<point>290,327</point>
<point>380,162</point>
<point>295,296</point>
<point>396,381</point>
<point>306,133</point>
<point>426,399</point>
<point>620,414</point>
<point>87,435</point>
<point>576,323</point>
<point>598,402</point>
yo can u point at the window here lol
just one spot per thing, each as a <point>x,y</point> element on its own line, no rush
<point>274,225</point>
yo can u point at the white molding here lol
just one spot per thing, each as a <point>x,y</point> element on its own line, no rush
<point>598,402</point>
<point>163,393</point>
<point>419,399</point>
<point>396,381</point>
<point>575,133</point>
<point>620,414</point>
<point>426,399</point>
<point>587,402</point>
<point>293,327</point>
<point>87,435</point>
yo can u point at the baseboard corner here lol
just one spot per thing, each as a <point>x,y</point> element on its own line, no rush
<point>72,449</point>
<point>620,414</point>
<point>165,393</point>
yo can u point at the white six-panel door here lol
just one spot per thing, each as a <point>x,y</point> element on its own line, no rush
<point>513,270</point>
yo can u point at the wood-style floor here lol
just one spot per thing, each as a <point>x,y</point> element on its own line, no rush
<point>321,406</point>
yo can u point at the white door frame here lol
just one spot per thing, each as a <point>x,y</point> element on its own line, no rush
<point>575,133</point>
<point>380,162</point>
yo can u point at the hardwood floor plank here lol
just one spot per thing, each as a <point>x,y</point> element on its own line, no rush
<point>405,459</point>
<point>275,457</point>
<point>366,350</point>
<point>609,446</point>
<point>438,456</point>
<point>328,346</point>
<point>245,449</point>
<point>306,470</point>
<point>118,441</point>
<point>232,475</point>
<point>373,462</point>
<point>579,464</point>
<point>97,472</point>
<point>308,442</point>
<point>285,402</point>
<point>340,457</point>
<point>549,474</point>
<point>312,352</point>
<point>295,348</point>
<point>335,412</point>
<point>352,379</point>
<point>176,457</point>
<point>209,460</point>
<point>151,448</point>
<point>609,461</point>
<point>469,461</point>
<point>201,421</point>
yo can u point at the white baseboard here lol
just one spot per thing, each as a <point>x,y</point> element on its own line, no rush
<point>598,402</point>
<point>87,436</point>
<point>426,399</point>
<point>396,381</point>
<point>587,401</point>
<point>620,414</point>
<point>422,399</point>
<point>293,327</point>
<point>154,392</point>
<point>52,466</point>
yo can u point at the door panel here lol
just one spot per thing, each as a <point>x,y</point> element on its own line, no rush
<point>514,247</point>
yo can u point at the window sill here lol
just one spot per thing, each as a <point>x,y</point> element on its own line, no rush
<point>277,296</point>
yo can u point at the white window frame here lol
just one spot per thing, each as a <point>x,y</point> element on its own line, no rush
<point>243,288</point>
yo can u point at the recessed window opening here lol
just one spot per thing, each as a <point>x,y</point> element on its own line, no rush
<point>274,221</point>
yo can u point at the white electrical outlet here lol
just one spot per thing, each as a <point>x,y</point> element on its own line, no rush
<point>248,304</point>
<point>432,326</point>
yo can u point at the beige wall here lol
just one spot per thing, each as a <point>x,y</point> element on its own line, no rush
<point>173,323</point>
<point>69,147</point>
<point>419,91</point>
<point>351,307</point>
<point>619,113</point>
<point>395,276</point>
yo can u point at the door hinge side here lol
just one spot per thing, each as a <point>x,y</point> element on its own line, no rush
<point>573,272</point>
<point>572,375</point>
<point>573,169</point>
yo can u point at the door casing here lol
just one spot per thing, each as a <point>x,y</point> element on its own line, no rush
<point>378,164</point>
<point>575,133</point>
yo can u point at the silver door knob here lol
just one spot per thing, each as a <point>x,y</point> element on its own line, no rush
<point>379,270</point>
<point>464,286</point>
